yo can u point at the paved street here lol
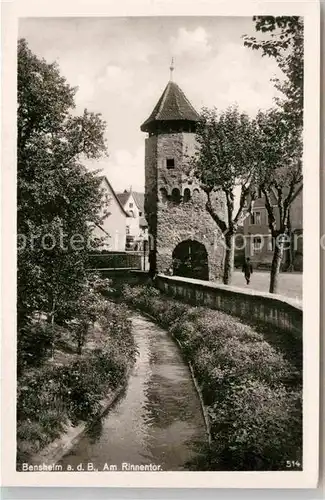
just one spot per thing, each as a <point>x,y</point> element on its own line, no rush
<point>290,283</point>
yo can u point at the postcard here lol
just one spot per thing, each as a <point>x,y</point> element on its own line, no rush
<point>161,244</point>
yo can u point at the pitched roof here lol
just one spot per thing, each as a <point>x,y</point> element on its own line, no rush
<point>123,197</point>
<point>172,105</point>
<point>138,198</point>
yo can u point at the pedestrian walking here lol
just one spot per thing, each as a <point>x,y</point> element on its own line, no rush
<point>247,270</point>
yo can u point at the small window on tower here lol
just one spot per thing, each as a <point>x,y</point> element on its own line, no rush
<point>170,163</point>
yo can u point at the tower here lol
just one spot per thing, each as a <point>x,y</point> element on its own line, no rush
<point>183,236</point>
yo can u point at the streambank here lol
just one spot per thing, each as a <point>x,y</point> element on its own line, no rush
<point>70,436</point>
<point>157,420</point>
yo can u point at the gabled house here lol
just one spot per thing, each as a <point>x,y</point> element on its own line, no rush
<point>113,227</point>
<point>136,224</point>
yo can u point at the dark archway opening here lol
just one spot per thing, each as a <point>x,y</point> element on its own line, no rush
<point>187,195</point>
<point>176,196</point>
<point>190,260</point>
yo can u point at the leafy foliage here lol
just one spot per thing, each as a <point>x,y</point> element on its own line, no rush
<point>59,202</point>
<point>279,165</point>
<point>56,394</point>
<point>280,177</point>
<point>226,159</point>
<point>256,427</point>
<point>33,345</point>
<point>280,130</point>
<point>57,197</point>
<point>284,40</point>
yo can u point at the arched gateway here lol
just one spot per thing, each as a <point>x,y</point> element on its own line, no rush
<point>190,260</point>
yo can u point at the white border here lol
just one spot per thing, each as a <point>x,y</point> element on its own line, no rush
<point>38,8</point>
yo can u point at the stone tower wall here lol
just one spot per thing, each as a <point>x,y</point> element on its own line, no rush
<point>151,190</point>
<point>171,223</point>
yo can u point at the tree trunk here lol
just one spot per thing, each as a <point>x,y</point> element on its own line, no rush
<point>50,320</point>
<point>53,337</point>
<point>79,349</point>
<point>276,263</point>
<point>289,255</point>
<point>229,259</point>
<point>289,252</point>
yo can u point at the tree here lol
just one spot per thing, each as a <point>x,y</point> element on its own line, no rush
<point>58,199</point>
<point>279,155</point>
<point>281,161</point>
<point>284,40</point>
<point>225,161</point>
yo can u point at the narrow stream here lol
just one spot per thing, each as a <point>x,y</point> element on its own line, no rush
<point>158,420</point>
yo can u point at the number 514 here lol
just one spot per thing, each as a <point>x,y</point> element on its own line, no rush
<point>293,464</point>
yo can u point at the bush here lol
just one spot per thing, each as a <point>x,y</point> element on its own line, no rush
<point>256,427</point>
<point>33,344</point>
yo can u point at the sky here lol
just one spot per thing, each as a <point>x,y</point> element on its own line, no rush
<point>121,67</point>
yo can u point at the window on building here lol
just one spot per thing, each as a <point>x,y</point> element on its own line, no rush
<point>256,218</point>
<point>170,163</point>
<point>127,229</point>
<point>130,205</point>
<point>257,244</point>
<point>140,214</point>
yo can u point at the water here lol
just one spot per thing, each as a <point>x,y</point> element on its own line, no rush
<point>158,420</point>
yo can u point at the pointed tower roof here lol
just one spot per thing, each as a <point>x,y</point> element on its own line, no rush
<point>172,106</point>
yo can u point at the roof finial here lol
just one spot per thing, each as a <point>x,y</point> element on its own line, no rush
<point>171,69</point>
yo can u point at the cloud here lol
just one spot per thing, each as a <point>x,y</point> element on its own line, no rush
<point>122,66</point>
<point>193,43</point>
<point>115,79</point>
<point>124,168</point>
<point>128,168</point>
<point>134,51</point>
<point>234,75</point>
<point>86,90</point>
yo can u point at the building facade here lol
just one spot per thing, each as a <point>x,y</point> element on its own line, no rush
<point>184,240</point>
<point>113,229</point>
<point>136,224</point>
<point>259,245</point>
